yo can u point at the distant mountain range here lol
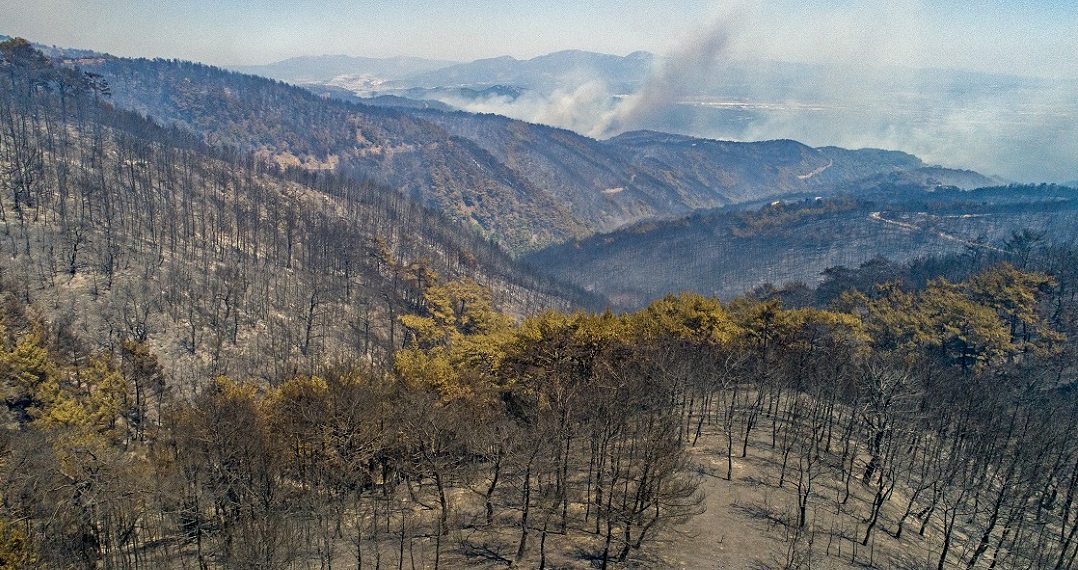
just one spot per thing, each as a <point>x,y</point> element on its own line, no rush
<point>323,68</point>
<point>526,185</point>
<point>542,73</point>
<point>1021,128</point>
<point>561,68</point>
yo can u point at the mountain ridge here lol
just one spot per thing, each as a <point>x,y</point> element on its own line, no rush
<point>524,184</point>
<point>320,68</point>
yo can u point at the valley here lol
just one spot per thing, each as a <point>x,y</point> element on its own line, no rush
<point>730,252</point>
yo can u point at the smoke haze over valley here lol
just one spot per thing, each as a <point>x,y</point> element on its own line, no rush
<point>1019,128</point>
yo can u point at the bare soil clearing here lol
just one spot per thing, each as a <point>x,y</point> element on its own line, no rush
<point>751,523</point>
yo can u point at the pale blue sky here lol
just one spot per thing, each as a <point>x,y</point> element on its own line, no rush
<point>1031,37</point>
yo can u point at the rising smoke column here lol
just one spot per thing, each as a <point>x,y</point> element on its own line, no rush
<point>685,71</point>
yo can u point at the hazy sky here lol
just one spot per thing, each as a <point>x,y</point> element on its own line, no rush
<point>1017,36</point>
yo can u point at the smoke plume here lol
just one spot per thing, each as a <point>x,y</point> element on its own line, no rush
<point>680,74</point>
<point>720,84</point>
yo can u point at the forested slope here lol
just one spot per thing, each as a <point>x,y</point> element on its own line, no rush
<point>730,252</point>
<point>292,126</point>
<point>222,262</point>
<point>926,427</point>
